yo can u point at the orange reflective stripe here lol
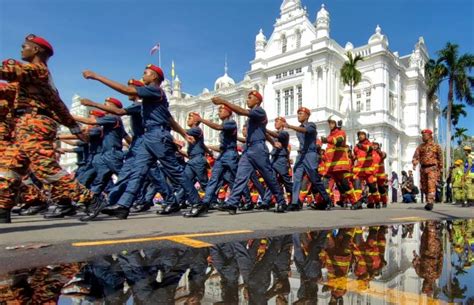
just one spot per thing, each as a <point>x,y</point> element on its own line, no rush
<point>337,163</point>
<point>364,169</point>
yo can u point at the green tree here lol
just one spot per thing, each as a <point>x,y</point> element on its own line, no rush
<point>351,77</point>
<point>456,112</point>
<point>455,69</point>
<point>460,134</point>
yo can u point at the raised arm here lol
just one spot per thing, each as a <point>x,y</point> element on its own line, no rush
<point>107,108</point>
<point>124,89</point>
<point>237,109</point>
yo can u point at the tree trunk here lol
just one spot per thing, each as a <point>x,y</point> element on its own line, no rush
<point>350,118</point>
<point>448,122</point>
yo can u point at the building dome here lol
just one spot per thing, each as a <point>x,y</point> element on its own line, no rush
<point>260,37</point>
<point>224,81</point>
<point>378,36</point>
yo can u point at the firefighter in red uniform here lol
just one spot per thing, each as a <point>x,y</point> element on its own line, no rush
<point>364,170</point>
<point>338,164</point>
<point>379,157</point>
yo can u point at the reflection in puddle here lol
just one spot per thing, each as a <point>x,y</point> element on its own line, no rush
<point>422,263</point>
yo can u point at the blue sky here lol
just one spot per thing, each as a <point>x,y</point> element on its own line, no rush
<point>113,37</point>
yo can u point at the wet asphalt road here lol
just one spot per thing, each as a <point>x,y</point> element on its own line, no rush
<point>65,240</point>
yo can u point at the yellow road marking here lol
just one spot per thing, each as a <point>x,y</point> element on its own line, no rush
<point>389,295</point>
<point>184,239</point>
<point>410,218</point>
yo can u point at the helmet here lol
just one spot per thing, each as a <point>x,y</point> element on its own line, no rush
<point>336,119</point>
<point>363,131</point>
<point>458,162</point>
<point>467,147</point>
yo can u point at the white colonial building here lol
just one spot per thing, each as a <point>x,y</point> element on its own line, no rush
<point>299,65</point>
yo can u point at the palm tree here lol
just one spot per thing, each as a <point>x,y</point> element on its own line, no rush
<point>456,112</point>
<point>454,68</point>
<point>350,75</point>
<point>461,135</point>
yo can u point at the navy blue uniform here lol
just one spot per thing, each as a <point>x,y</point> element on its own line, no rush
<point>255,158</point>
<point>155,176</point>
<point>88,174</point>
<point>157,145</point>
<point>226,163</point>
<point>110,160</point>
<point>196,167</point>
<point>281,164</point>
<point>307,162</point>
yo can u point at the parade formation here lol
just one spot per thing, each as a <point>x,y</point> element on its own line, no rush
<point>238,174</point>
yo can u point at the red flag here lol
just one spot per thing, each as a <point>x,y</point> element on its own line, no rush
<point>155,49</point>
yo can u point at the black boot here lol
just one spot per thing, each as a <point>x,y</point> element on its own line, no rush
<point>196,210</point>
<point>141,207</point>
<point>247,207</point>
<point>232,209</point>
<point>294,207</point>
<point>281,286</point>
<point>94,207</point>
<point>280,208</point>
<point>429,206</point>
<point>33,210</point>
<point>117,211</point>
<point>60,211</point>
<point>5,216</point>
<point>357,206</point>
<point>169,209</point>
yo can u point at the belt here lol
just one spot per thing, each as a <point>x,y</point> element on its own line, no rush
<point>23,111</point>
<point>427,166</point>
<point>303,151</point>
<point>255,143</point>
<point>162,127</point>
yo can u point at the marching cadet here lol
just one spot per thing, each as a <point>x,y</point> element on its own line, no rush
<point>226,164</point>
<point>110,160</point>
<point>38,110</point>
<point>307,161</point>
<point>379,157</point>
<point>468,176</point>
<point>430,157</point>
<point>364,170</point>
<point>338,163</point>
<point>157,140</point>
<point>256,154</point>
<point>280,159</point>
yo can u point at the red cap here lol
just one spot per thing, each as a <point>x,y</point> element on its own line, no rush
<point>136,83</point>
<point>280,118</point>
<point>305,110</point>
<point>114,101</point>
<point>256,94</point>
<point>41,42</point>
<point>226,108</point>
<point>157,70</point>
<point>429,131</point>
<point>97,113</point>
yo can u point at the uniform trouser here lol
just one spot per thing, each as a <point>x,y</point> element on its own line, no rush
<point>195,170</point>
<point>257,185</point>
<point>371,181</point>
<point>280,167</point>
<point>344,183</point>
<point>469,188</point>
<point>157,145</point>
<point>32,149</point>
<point>429,177</point>
<point>382,187</point>
<point>80,169</point>
<point>88,174</point>
<point>255,158</point>
<point>156,183</point>
<point>231,260</point>
<point>31,194</point>
<point>225,166</point>
<point>106,164</point>
<point>308,163</point>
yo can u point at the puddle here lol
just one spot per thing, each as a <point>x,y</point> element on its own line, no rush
<point>419,263</point>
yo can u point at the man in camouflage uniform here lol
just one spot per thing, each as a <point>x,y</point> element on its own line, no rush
<point>468,176</point>
<point>37,111</point>
<point>428,263</point>
<point>430,157</point>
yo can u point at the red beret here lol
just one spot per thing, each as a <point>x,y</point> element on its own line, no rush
<point>429,131</point>
<point>157,70</point>
<point>97,113</point>
<point>114,101</point>
<point>280,118</point>
<point>226,108</point>
<point>305,110</point>
<point>256,94</point>
<point>41,42</point>
<point>136,83</point>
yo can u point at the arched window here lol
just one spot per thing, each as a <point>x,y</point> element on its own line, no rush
<point>298,39</point>
<point>283,44</point>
